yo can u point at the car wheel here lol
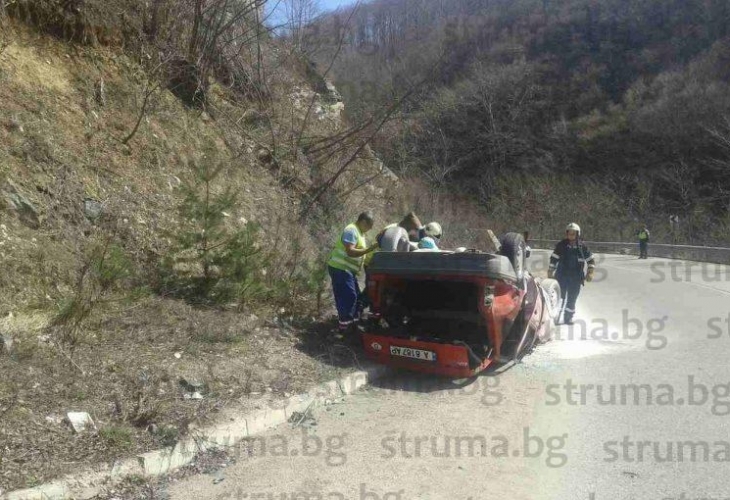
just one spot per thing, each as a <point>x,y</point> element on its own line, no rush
<point>552,294</point>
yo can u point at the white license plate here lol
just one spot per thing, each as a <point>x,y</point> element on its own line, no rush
<point>409,352</point>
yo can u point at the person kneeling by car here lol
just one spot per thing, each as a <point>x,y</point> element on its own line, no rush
<point>568,265</point>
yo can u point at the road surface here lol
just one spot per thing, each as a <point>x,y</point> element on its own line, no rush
<point>632,402</point>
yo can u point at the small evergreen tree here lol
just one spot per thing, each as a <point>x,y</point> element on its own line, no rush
<point>212,262</point>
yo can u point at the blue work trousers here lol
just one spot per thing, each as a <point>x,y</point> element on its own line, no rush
<point>346,290</point>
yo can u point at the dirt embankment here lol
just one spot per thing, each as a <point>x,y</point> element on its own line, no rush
<point>87,217</point>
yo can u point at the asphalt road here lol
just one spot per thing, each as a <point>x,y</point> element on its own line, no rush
<point>632,402</point>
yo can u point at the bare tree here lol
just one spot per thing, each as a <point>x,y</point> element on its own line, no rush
<point>298,16</point>
<point>152,84</point>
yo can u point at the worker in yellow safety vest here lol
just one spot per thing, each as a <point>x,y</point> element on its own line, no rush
<point>644,236</point>
<point>345,263</point>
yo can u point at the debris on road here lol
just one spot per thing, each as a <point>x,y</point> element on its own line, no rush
<point>304,419</point>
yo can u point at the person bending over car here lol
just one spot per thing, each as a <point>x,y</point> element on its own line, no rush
<point>568,265</point>
<point>393,238</point>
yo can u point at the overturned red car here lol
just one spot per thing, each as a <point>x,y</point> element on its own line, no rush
<point>455,314</point>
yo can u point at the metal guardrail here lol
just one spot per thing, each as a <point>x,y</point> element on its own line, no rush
<point>716,255</point>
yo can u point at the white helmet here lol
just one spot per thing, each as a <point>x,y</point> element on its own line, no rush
<point>433,229</point>
<point>573,227</point>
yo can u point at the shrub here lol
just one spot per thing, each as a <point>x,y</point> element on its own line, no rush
<point>103,271</point>
<point>117,436</point>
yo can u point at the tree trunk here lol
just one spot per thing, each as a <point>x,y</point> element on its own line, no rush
<point>195,33</point>
<point>153,28</point>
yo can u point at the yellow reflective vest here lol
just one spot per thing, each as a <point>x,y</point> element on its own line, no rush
<point>339,258</point>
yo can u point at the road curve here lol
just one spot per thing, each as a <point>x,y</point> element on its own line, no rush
<point>632,402</point>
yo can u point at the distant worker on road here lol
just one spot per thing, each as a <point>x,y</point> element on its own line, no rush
<point>344,265</point>
<point>568,265</point>
<point>643,235</point>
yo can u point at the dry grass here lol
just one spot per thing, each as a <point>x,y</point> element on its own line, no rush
<point>59,146</point>
<point>132,363</point>
<point>37,72</point>
<point>69,150</point>
<point>33,323</point>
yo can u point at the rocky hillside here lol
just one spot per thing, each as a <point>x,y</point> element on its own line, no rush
<point>160,222</point>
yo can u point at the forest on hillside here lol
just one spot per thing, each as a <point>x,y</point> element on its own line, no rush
<point>614,112</point>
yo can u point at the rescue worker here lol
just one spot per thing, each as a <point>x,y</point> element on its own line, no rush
<point>393,238</point>
<point>644,236</point>
<point>528,249</point>
<point>432,233</point>
<point>568,265</point>
<point>345,263</point>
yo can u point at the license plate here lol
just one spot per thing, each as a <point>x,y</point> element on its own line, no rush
<point>409,352</point>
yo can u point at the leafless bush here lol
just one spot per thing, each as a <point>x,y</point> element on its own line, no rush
<point>298,16</point>
<point>102,271</point>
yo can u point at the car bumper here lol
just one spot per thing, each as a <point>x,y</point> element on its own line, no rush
<point>450,360</point>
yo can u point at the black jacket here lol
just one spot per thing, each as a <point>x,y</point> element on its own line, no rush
<point>569,261</point>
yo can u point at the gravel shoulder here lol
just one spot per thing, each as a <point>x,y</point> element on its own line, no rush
<point>148,376</point>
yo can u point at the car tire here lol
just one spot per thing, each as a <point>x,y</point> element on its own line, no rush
<point>514,248</point>
<point>552,292</point>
